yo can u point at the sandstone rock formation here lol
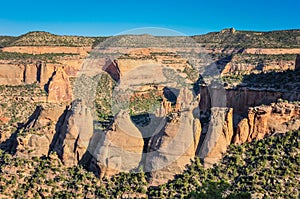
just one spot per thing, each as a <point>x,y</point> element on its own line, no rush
<point>118,149</point>
<point>35,137</point>
<point>241,99</point>
<point>173,146</point>
<point>59,89</point>
<point>28,72</point>
<point>238,64</point>
<point>265,120</point>
<point>47,49</point>
<point>74,134</point>
<point>11,74</point>
<point>272,51</point>
<point>31,73</point>
<point>218,136</point>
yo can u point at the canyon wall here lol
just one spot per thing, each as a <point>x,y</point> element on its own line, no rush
<point>262,121</point>
<point>272,51</point>
<point>47,49</point>
<point>242,98</point>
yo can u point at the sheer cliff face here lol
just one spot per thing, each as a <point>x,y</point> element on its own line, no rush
<point>173,147</point>
<point>118,149</point>
<point>34,139</point>
<point>74,134</point>
<point>218,136</point>
<point>11,74</point>
<point>265,120</point>
<point>242,99</point>
<point>59,88</point>
<point>235,116</point>
<point>26,73</point>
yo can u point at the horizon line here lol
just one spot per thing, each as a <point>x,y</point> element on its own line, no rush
<point>181,34</point>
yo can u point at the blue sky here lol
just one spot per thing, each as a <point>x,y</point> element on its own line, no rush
<point>95,18</point>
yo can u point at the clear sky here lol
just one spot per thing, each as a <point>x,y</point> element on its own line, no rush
<point>96,17</point>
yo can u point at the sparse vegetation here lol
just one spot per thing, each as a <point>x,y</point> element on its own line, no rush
<point>286,80</point>
<point>25,56</point>
<point>268,167</point>
<point>248,39</point>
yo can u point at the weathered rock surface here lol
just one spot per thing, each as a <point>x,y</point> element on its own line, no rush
<point>74,134</point>
<point>118,149</point>
<point>31,73</point>
<point>238,64</point>
<point>19,73</point>
<point>35,137</point>
<point>11,74</point>
<point>218,136</point>
<point>47,49</point>
<point>59,89</point>
<point>266,120</point>
<point>243,98</point>
<point>272,51</point>
<point>173,147</point>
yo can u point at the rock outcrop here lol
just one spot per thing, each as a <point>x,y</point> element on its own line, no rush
<point>218,136</point>
<point>243,98</point>
<point>118,149</point>
<point>11,74</point>
<point>35,137</point>
<point>173,146</point>
<point>47,49</point>
<point>272,51</point>
<point>74,134</point>
<point>266,120</point>
<point>238,64</point>
<point>59,89</point>
<point>31,73</point>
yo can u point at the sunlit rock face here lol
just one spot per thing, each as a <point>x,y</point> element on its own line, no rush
<point>74,134</point>
<point>118,149</point>
<point>262,121</point>
<point>218,136</point>
<point>174,145</point>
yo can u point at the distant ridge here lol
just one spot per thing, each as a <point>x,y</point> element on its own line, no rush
<point>251,39</point>
<point>226,38</point>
